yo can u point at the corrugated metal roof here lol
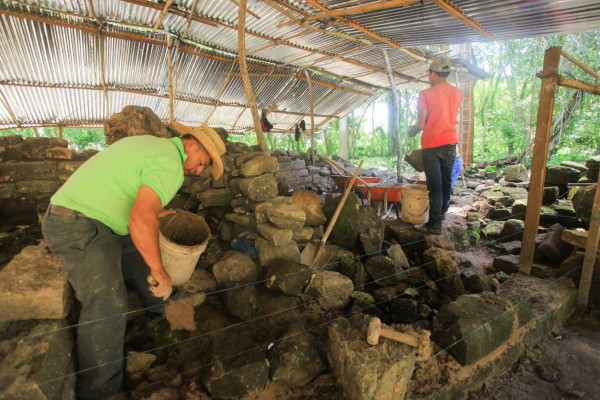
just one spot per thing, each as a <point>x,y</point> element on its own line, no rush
<point>64,62</point>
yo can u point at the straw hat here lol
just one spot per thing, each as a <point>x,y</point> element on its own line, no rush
<point>211,141</point>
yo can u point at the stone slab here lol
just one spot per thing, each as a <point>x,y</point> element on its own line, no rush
<point>34,286</point>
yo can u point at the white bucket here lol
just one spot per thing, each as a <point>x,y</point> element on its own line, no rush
<point>415,204</point>
<point>183,237</point>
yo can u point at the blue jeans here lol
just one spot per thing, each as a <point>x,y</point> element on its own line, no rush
<point>438,163</point>
<point>93,256</point>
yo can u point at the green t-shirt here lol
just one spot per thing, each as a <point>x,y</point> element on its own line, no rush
<point>105,186</point>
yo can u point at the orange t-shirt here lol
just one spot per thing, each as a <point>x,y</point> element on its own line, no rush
<point>442,103</point>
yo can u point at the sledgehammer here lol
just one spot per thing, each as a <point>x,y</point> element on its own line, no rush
<point>421,343</point>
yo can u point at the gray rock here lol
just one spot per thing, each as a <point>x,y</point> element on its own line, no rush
<point>385,271</point>
<point>583,201</point>
<point>516,173</point>
<point>560,175</point>
<point>310,203</point>
<point>575,165</point>
<point>259,165</point>
<point>508,264</point>
<point>260,209</point>
<point>287,216</point>
<point>242,302</point>
<point>275,235</point>
<point>235,366</point>
<point>458,327</point>
<point>297,359</point>
<point>215,197</point>
<point>287,277</point>
<point>259,188</point>
<point>331,289</point>
<point>303,235</point>
<point>550,195</point>
<point>553,247</point>
<point>345,230</point>
<point>237,268</point>
<point>512,230</point>
<point>245,157</point>
<point>382,371</point>
<point>268,253</point>
<point>442,266</point>
<point>137,364</point>
<point>34,286</point>
<point>478,283</point>
<point>370,230</point>
<point>200,281</point>
<point>396,253</point>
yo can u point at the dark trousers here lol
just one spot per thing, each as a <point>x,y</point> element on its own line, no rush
<point>438,163</point>
<point>93,256</point>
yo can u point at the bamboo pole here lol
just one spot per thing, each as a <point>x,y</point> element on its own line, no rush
<point>591,248</point>
<point>170,76</point>
<point>540,156</point>
<point>395,117</point>
<point>245,77</point>
<point>162,15</point>
<point>312,117</point>
<point>9,109</point>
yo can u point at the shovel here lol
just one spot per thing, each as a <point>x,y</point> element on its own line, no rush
<point>314,257</point>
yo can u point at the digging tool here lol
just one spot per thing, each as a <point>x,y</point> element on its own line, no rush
<point>421,343</point>
<point>180,312</point>
<point>339,167</point>
<point>317,258</point>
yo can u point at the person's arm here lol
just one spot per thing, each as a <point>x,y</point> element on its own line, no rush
<point>420,125</point>
<point>143,227</point>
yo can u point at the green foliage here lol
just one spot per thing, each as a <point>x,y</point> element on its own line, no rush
<point>79,138</point>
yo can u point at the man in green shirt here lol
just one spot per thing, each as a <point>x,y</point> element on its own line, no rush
<point>103,223</point>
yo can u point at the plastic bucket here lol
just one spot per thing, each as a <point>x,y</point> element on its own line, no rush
<point>183,237</point>
<point>415,204</point>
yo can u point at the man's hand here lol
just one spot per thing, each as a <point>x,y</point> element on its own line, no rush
<point>160,284</point>
<point>413,131</point>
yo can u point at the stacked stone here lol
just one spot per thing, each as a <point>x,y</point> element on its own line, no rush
<point>593,165</point>
<point>297,172</point>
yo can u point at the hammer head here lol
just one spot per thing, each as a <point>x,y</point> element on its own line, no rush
<point>373,331</point>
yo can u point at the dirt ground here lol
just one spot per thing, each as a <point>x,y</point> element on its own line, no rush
<point>565,365</point>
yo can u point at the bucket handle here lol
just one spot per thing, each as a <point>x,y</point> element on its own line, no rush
<point>171,220</point>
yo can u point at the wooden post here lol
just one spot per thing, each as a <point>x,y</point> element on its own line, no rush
<point>246,79</point>
<point>591,248</point>
<point>395,109</point>
<point>312,117</point>
<point>170,73</point>
<point>540,156</point>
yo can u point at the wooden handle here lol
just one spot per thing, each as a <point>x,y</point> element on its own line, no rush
<point>400,337</point>
<point>337,213</point>
<point>336,165</point>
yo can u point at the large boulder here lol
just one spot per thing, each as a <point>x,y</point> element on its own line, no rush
<point>310,203</point>
<point>345,230</point>
<point>560,175</point>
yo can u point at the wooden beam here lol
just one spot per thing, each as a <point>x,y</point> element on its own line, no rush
<point>417,55</point>
<point>540,156</point>
<point>318,82</point>
<point>164,12</point>
<point>248,11</point>
<point>380,5</point>
<point>580,65</point>
<point>575,84</point>
<point>153,94</point>
<point>591,248</point>
<point>221,91</point>
<point>189,18</point>
<point>395,117</point>
<point>245,77</point>
<point>460,15</point>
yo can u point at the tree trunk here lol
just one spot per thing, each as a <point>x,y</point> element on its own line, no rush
<point>562,120</point>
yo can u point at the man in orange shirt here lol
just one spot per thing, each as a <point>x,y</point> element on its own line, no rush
<point>437,109</point>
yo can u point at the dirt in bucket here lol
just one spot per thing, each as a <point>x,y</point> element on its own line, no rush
<point>184,228</point>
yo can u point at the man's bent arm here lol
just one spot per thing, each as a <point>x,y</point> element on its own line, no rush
<point>420,125</point>
<point>143,227</point>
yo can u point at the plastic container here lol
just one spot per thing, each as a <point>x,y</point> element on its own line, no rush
<point>415,204</point>
<point>183,237</point>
